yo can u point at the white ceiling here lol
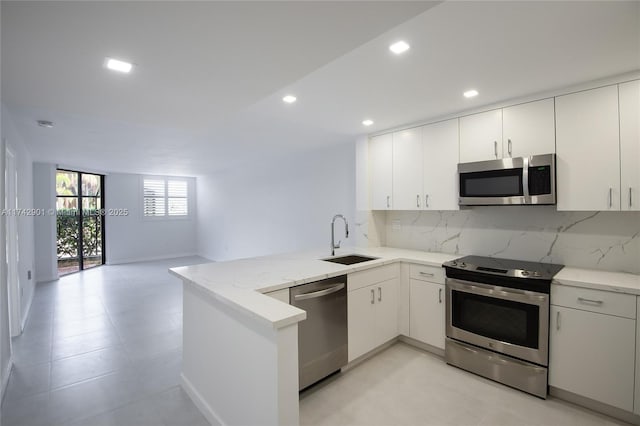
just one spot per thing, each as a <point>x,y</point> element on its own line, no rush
<point>206,92</point>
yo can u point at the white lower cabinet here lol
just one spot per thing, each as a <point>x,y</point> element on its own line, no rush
<point>591,352</point>
<point>427,307</point>
<point>636,404</point>
<point>372,316</point>
<point>281,295</point>
<point>427,313</point>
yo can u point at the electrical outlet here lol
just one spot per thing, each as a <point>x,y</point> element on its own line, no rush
<point>396,226</point>
<point>29,274</point>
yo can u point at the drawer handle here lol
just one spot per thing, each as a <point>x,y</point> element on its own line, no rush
<point>427,274</point>
<point>590,301</point>
<point>558,320</point>
<point>373,296</point>
<point>439,295</point>
<point>379,294</point>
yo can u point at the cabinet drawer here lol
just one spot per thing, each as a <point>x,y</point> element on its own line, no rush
<point>427,273</point>
<point>586,299</point>
<point>367,277</point>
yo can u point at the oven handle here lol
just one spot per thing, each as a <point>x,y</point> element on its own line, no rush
<point>496,291</point>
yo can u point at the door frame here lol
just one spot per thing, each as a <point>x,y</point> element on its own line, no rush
<point>80,196</point>
<point>14,287</point>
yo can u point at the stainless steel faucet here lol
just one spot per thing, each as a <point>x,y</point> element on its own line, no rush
<point>334,246</point>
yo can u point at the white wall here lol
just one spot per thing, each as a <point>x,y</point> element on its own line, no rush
<point>24,168</point>
<point>44,188</point>
<point>133,238</point>
<point>280,207</point>
<point>5,334</point>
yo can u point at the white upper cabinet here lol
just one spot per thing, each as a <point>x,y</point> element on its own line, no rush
<point>407,169</point>
<point>481,136</point>
<point>630,145</point>
<point>588,150</point>
<point>381,171</point>
<point>529,129</point>
<point>440,163</point>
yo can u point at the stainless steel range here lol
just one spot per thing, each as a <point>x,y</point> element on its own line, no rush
<point>497,319</point>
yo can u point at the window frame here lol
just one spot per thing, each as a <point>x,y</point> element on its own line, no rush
<point>165,180</point>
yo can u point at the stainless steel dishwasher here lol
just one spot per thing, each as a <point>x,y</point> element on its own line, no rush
<point>322,337</point>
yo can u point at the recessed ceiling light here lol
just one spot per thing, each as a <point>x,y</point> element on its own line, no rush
<point>289,99</point>
<point>470,93</point>
<point>399,47</point>
<point>118,65</point>
<point>45,123</point>
<point>367,122</point>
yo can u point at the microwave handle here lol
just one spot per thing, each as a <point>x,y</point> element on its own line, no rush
<point>525,177</point>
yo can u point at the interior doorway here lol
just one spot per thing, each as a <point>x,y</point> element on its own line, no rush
<point>79,220</point>
<point>14,290</point>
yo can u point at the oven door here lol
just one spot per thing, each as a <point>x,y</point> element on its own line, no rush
<point>506,320</point>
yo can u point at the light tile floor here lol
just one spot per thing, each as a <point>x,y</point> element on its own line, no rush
<point>104,347</point>
<point>406,386</point>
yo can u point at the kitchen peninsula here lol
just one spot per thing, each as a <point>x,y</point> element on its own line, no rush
<point>240,349</point>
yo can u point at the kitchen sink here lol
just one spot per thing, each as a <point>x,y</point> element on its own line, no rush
<point>350,259</point>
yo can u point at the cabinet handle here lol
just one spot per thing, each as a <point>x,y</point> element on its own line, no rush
<point>558,320</point>
<point>373,296</point>
<point>388,205</point>
<point>379,294</point>
<point>630,203</point>
<point>418,201</point>
<point>610,197</point>
<point>426,273</point>
<point>426,200</point>
<point>509,146</point>
<point>495,148</point>
<point>439,295</point>
<point>590,301</point>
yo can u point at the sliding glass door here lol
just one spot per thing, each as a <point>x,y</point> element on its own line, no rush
<point>80,220</point>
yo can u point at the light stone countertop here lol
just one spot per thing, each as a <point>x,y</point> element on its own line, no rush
<point>620,282</point>
<point>239,283</point>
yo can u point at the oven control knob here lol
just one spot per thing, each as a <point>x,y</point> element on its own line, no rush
<point>463,265</point>
<point>454,263</point>
<point>525,273</point>
<point>536,274</point>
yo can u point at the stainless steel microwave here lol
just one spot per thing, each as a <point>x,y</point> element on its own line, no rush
<point>509,181</point>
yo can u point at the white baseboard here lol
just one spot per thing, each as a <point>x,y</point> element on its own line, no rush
<point>199,402</point>
<point>5,378</point>
<point>149,258</point>
<point>25,312</point>
<point>46,279</point>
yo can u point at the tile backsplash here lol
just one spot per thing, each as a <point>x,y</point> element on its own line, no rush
<point>594,240</point>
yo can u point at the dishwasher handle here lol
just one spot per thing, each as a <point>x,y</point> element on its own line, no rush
<point>319,293</point>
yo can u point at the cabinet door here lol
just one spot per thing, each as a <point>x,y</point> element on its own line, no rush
<point>360,321</point>
<point>427,312</point>
<point>529,129</point>
<point>593,355</point>
<point>440,162</point>
<point>481,136</point>
<point>636,404</point>
<point>381,171</point>
<point>630,145</point>
<point>588,150</point>
<point>386,323</point>
<point>407,169</point>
